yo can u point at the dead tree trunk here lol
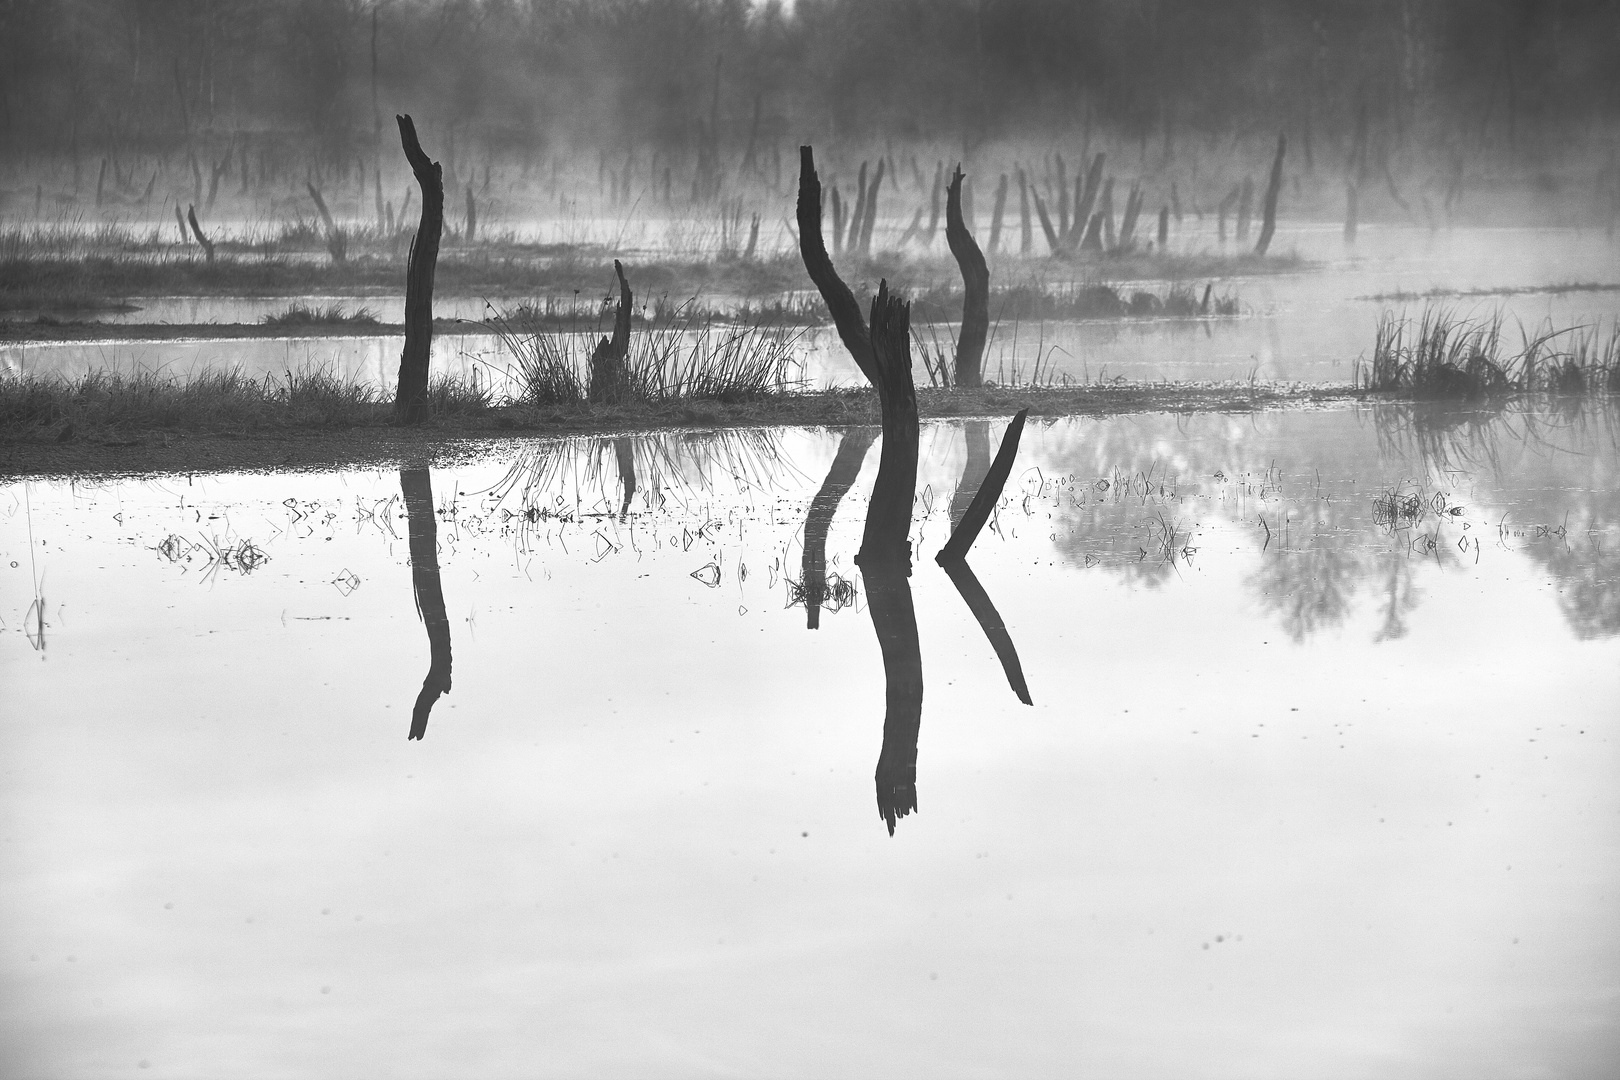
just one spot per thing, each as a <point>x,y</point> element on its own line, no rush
<point>1086,200</point>
<point>1245,211</point>
<point>1053,244</point>
<point>472,217</point>
<point>610,363</point>
<point>885,559</point>
<point>207,244</point>
<point>180,219</point>
<point>846,313</point>
<point>1127,225</point>
<point>1269,225</point>
<point>852,241</point>
<point>995,215</point>
<point>837,220</point>
<point>410,401</point>
<point>1026,235</point>
<point>975,289</point>
<point>416,485</point>
<point>337,241</point>
<point>888,517</point>
<point>933,204</point>
<point>870,218</point>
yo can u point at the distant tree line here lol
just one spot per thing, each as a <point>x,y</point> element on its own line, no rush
<point>677,74</point>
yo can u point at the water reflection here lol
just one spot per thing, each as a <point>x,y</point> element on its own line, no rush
<point>417,487</point>
<point>977,491</point>
<point>814,589</point>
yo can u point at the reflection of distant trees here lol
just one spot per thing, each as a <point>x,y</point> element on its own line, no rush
<point>1309,579</point>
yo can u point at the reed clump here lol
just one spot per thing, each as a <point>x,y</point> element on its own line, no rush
<point>1447,355</point>
<point>330,315</point>
<point>680,352</point>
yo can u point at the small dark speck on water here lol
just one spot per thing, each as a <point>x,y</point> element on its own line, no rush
<point>804,834</point>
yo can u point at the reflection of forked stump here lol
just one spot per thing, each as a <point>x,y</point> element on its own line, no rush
<point>417,487</point>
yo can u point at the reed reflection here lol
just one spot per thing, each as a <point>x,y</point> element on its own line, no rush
<point>417,488</point>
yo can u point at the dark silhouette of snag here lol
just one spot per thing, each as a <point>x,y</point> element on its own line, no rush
<point>1053,244</point>
<point>995,215</point>
<point>410,400</point>
<point>610,363</point>
<point>846,313</point>
<point>207,245</point>
<point>885,559</point>
<point>978,512</point>
<point>417,487</point>
<point>888,517</point>
<point>870,217</point>
<point>975,289</point>
<point>1269,225</point>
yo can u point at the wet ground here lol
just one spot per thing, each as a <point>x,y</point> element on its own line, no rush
<point>1317,778</point>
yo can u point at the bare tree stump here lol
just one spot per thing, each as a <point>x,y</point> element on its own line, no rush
<point>995,215</point>
<point>207,244</point>
<point>1268,225</point>
<point>610,368</point>
<point>870,217</point>
<point>975,289</point>
<point>888,516</point>
<point>410,400</point>
<point>846,313</point>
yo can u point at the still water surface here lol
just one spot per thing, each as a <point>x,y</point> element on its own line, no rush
<point>1319,776</point>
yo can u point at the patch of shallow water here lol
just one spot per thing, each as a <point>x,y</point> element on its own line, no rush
<point>1319,776</point>
<point>1309,326</point>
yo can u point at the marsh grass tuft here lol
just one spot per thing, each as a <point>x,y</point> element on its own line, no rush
<point>330,315</point>
<point>1447,355</point>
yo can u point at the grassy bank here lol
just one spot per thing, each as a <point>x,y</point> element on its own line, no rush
<point>113,424</point>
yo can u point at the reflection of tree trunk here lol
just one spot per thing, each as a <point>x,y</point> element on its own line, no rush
<point>417,487</point>
<point>625,453</point>
<point>981,485</point>
<point>885,557</point>
<point>967,526</point>
<point>846,465</point>
<point>977,433</point>
<point>995,628</point>
<point>888,597</point>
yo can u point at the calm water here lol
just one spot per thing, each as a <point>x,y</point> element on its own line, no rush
<point>1319,777</point>
<point>1309,326</point>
